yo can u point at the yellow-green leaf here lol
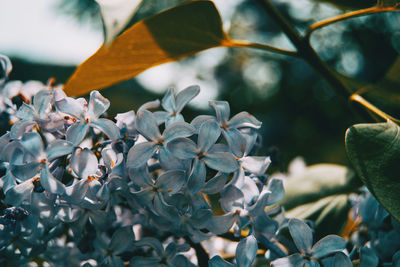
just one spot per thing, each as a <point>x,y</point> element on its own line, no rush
<point>374,151</point>
<point>168,36</point>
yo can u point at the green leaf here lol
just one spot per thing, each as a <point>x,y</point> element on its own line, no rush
<point>374,151</point>
<point>168,36</point>
<point>317,182</point>
<point>116,14</point>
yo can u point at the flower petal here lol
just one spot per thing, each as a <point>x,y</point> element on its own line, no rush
<point>236,141</point>
<point>222,161</point>
<point>178,129</point>
<point>292,260</point>
<point>231,198</point>
<point>338,260</point>
<point>98,104</point>
<point>197,178</point>
<point>69,105</point>
<point>84,162</point>
<point>222,110</point>
<point>255,165</point>
<point>184,96</point>
<point>368,257</point>
<point>208,134</point>
<point>122,239</point>
<point>217,261</point>
<point>327,245</point>
<point>20,127</point>
<point>59,148</point>
<point>139,154</point>
<point>215,184</point>
<point>77,132</point>
<point>171,181</point>
<point>244,119</point>
<point>42,103</point>
<point>50,183</point>
<point>302,235</point>
<point>146,124</point>
<point>26,112</point>
<point>246,251</point>
<point>77,191</point>
<point>108,128</point>
<point>16,195</point>
<point>199,120</point>
<point>221,224</point>
<point>182,148</point>
<point>33,143</point>
<point>25,171</point>
<point>168,101</point>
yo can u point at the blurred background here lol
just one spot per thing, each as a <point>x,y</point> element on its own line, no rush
<point>301,114</point>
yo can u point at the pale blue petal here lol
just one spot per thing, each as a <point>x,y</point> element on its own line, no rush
<point>20,127</point>
<point>178,129</point>
<point>97,104</point>
<point>150,105</point>
<point>328,245</point>
<point>139,154</point>
<point>161,116</point>
<point>222,111</point>
<point>174,118</point>
<point>26,112</point>
<point>140,176</point>
<point>33,143</point>
<point>246,251</point>
<point>201,218</point>
<point>255,165</point>
<point>42,102</point>
<point>122,239</point>
<point>208,135</point>
<point>69,105</point>
<point>145,196</point>
<point>181,261</point>
<point>291,261</point>
<point>275,186</point>
<point>170,162</point>
<point>184,96</point>
<point>221,224</point>
<point>199,120</point>
<point>16,195</point>
<point>338,260</point>
<point>50,183</point>
<point>302,235</point>
<point>84,163</point>
<point>168,101</point>
<point>244,119</point>
<point>147,125</point>
<point>368,257</point>
<point>236,141</point>
<point>7,182</point>
<point>77,132</point>
<point>217,261</point>
<point>25,171</point>
<point>249,189</point>
<point>215,185</point>
<point>165,210</point>
<point>171,181</point>
<point>59,148</point>
<point>222,161</point>
<point>197,178</point>
<point>108,128</point>
<point>182,148</point>
<point>77,191</point>
<point>231,198</point>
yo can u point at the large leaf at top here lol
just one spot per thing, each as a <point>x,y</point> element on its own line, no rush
<point>168,36</point>
<point>374,151</point>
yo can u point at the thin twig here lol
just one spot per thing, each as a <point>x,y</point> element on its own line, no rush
<point>369,106</point>
<point>237,43</point>
<point>353,14</point>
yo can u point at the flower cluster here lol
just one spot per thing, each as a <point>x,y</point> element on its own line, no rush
<point>141,189</point>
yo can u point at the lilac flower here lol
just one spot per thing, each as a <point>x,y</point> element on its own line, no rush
<point>175,104</point>
<point>308,254</point>
<point>87,115</point>
<point>203,155</point>
<point>147,126</point>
